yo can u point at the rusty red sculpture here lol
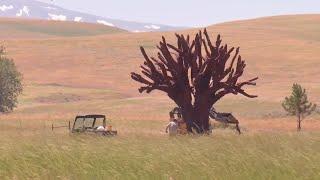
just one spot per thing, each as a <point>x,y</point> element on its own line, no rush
<point>195,75</point>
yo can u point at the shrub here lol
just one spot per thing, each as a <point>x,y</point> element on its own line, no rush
<point>10,83</point>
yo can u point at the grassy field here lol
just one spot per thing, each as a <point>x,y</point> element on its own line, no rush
<point>70,73</point>
<point>221,156</point>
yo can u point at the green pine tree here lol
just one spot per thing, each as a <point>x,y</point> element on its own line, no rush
<point>298,104</point>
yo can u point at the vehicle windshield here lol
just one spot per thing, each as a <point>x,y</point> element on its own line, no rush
<point>99,122</point>
<point>78,124</point>
<point>88,123</point>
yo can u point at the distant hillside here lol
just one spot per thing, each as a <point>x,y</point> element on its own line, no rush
<point>32,9</point>
<point>304,27</point>
<point>280,50</point>
<point>22,28</point>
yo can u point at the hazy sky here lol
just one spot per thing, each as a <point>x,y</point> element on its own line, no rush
<point>189,12</point>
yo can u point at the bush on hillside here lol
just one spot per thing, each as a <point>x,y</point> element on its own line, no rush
<point>10,83</point>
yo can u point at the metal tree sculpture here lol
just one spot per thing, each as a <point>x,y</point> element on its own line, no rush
<point>195,75</point>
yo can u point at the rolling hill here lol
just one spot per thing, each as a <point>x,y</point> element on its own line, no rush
<point>280,50</point>
<point>284,48</point>
<point>19,29</point>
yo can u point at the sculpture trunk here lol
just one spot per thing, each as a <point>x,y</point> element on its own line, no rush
<point>197,115</point>
<point>197,118</point>
<point>201,111</point>
<point>188,116</point>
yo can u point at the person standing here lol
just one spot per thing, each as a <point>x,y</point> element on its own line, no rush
<point>172,127</point>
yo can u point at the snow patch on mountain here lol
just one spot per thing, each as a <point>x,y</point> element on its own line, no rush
<point>105,23</point>
<point>56,17</point>
<point>152,26</point>
<point>77,19</point>
<point>38,9</point>
<point>49,7</point>
<point>5,8</point>
<point>138,31</point>
<point>23,11</point>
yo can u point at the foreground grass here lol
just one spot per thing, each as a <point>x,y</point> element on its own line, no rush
<point>221,156</point>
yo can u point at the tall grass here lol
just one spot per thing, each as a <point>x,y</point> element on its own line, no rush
<point>223,155</point>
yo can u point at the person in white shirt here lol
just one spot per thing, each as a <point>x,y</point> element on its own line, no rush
<point>100,128</point>
<point>172,127</point>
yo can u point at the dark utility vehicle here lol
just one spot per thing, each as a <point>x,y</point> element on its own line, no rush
<point>91,124</point>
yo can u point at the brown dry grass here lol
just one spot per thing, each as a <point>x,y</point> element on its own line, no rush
<point>280,50</point>
<point>66,76</point>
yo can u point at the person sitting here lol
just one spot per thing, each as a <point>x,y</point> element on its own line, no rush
<point>100,128</point>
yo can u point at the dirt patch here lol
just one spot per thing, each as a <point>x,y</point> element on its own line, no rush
<point>60,98</point>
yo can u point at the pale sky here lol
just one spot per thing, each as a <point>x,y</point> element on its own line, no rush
<point>189,12</point>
